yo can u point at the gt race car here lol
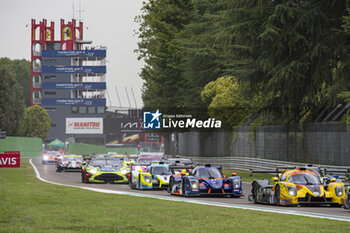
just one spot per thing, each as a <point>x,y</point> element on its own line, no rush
<point>206,180</point>
<point>105,170</point>
<point>298,186</point>
<point>69,163</point>
<point>51,156</point>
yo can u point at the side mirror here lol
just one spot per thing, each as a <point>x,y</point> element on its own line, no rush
<point>225,176</point>
<point>332,179</point>
<point>140,170</point>
<point>234,174</point>
<point>84,163</point>
<point>274,178</point>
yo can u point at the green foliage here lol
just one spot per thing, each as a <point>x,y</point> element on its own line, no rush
<point>346,97</point>
<point>21,69</point>
<point>160,23</point>
<point>11,101</point>
<point>36,122</point>
<point>225,101</point>
<point>291,57</point>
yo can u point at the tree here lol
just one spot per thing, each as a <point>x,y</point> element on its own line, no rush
<point>21,69</point>
<point>226,101</point>
<point>36,122</point>
<point>11,101</point>
<point>160,24</point>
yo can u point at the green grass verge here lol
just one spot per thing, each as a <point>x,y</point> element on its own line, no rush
<point>30,205</point>
<point>245,175</point>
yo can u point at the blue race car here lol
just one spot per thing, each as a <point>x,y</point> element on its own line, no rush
<point>205,180</point>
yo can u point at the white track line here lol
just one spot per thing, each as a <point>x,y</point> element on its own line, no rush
<point>209,203</point>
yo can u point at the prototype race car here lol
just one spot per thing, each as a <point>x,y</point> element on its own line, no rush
<point>139,177</point>
<point>105,170</point>
<point>155,177</point>
<point>303,185</point>
<point>206,180</point>
<point>69,163</point>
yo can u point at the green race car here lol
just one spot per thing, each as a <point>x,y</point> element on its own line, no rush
<point>105,170</point>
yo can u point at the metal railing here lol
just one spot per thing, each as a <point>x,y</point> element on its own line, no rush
<point>246,163</point>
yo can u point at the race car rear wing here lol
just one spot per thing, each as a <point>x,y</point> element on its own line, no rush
<point>276,171</point>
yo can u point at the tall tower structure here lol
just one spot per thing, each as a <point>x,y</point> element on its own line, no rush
<point>69,81</point>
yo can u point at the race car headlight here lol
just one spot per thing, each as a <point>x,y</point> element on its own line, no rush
<point>194,184</point>
<point>93,170</point>
<point>147,178</point>
<point>46,157</point>
<point>339,191</point>
<point>292,191</point>
<point>236,184</point>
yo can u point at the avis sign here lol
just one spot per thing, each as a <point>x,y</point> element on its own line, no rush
<point>10,159</point>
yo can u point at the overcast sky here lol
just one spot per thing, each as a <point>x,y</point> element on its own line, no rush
<point>109,22</point>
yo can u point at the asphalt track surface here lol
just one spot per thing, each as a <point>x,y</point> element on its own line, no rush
<point>48,172</point>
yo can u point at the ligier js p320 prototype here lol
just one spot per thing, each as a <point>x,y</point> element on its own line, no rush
<point>105,170</point>
<point>154,176</point>
<point>298,186</point>
<point>206,180</point>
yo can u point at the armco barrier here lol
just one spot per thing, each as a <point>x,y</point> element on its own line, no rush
<point>252,163</point>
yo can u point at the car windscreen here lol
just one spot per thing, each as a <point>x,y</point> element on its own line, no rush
<point>104,162</point>
<point>160,171</point>
<point>73,159</point>
<point>304,179</point>
<point>114,162</point>
<point>210,173</point>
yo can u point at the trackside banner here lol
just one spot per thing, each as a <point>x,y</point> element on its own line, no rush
<point>10,159</point>
<point>84,125</point>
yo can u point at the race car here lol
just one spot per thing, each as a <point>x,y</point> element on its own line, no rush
<point>182,161</point>
<point>298,186</point>
<point>347,199</point>
<point>51,157</point>
<point>149,159</point>
<point>139,177</point>
<point>206,180</point>
<point>69,163</point>
<point>155,177</point>
<point>105,170</point>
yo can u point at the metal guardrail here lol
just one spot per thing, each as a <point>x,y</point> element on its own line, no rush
<point>246,163</point>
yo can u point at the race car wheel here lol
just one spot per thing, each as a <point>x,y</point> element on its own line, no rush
<point>170,187</point>
<point>346,204</point>
<point>58,169</point>
<point>255,194</point>
<point>184,193</point>
<point>83,180</point>
<point>277,195</point>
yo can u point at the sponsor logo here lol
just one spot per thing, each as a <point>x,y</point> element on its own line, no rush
<point>151,120</point>
<point>155,120</point>
<point>10,159</point>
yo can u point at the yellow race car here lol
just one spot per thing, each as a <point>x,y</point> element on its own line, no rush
<point>105,170</point>
<point>298,186</point>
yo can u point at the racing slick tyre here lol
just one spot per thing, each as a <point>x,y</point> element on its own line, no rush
<point>184,188</point>
<point>83,180</point>
<point>277,195</point>
<point>170,187</point>
<point>347,202</point>
<point>255,194</point>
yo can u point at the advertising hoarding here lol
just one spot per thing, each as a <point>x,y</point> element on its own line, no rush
<point>74,53</point>
<point>84,125</point>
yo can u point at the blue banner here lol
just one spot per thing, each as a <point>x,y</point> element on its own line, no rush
<point>80,85</point>
<point>79,102</point>
<point>74,69</point>
<point>74,53</point>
